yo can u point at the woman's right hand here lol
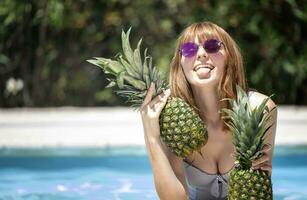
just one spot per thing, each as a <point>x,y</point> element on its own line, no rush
<point>151,109</point>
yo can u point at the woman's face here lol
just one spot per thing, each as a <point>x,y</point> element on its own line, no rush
<point>204,69</point>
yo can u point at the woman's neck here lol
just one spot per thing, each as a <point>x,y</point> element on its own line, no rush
<point>207,101</point>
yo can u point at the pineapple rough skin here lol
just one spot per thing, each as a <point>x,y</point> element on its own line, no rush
<point>182,129</point>
<point>249,185</point>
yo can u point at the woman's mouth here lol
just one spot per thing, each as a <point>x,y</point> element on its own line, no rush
<point>205,66</point>
<point>203,71</point>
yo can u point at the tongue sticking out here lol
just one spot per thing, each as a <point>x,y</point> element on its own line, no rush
<point>203,72</point>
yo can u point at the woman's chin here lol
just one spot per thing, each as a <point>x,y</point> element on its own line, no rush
<point>208,81</point>
<point>204,83</point>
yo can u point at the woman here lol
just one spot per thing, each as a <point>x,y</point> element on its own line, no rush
<point>205,68</point>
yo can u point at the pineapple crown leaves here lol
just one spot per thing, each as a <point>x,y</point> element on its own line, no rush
<point>132,76</point>
<point>248,126</point>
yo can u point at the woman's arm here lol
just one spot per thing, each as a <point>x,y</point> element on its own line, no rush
<point>265,162</point>
<point>167,171</point>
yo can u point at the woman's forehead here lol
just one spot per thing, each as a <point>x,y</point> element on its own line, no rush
<point>199,37</point>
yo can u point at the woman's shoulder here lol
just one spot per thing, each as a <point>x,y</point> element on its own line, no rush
<point>255,99</point>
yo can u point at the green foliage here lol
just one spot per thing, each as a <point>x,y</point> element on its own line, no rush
<point>46,44</point>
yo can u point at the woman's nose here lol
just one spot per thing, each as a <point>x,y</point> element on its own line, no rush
<point>201,53</point>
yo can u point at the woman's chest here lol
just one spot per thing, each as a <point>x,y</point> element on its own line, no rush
<point>217,155</point>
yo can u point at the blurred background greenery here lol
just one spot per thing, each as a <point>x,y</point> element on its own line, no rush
<point>45,44</point>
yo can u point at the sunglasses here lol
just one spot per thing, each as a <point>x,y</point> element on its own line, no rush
<point>189,49</point>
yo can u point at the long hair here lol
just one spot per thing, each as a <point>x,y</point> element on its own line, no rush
<point>233,72</point>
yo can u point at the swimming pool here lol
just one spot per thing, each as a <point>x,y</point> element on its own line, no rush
<point>116,173</point>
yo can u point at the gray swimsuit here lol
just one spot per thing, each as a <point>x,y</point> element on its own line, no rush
<point>205,186</point>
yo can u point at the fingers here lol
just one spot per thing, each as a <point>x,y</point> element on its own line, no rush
<point>162,100</point>
<point>157,104</point>
<point>266,148</point>
<point>149,94</point>
<point>264,159</point>
<point>265,167</point>
<point>261,161</point>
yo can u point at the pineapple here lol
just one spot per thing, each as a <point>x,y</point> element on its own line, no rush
<point>248,129</point>
<point>182,130</point>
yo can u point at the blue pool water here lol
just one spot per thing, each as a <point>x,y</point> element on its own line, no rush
<point>115,173</point>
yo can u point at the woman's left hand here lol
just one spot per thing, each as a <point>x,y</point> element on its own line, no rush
<point>264,162</point>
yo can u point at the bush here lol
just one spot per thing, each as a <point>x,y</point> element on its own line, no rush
<point>45,44</point>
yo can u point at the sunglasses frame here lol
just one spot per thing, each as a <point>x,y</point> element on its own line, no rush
<point>219,43</point>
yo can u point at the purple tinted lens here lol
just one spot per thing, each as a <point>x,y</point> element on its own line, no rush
<point>189,49</point>
<point>212,45</point>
